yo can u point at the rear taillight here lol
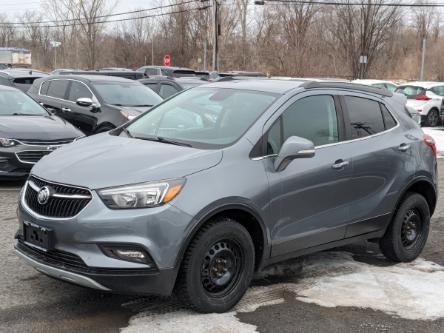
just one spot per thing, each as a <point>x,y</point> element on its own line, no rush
<point>430,142</point>
<point>422,98</point>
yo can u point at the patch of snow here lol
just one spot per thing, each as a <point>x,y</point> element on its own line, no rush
<point>408,290</point>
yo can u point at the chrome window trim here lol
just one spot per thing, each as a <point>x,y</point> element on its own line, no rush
<point>346,141</point>
<point>94,98</point>
<point>38,216</point>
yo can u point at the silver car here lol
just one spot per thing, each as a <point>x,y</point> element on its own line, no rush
<point>225,179</point>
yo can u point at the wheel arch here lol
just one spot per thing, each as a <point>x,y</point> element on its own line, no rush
<point>424,187</point>
<point>243,213</point>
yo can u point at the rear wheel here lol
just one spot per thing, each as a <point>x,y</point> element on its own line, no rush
<point>407,234</point>
<point>432,118</point>
<point>217,268</point>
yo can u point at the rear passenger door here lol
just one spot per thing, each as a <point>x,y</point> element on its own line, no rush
<point>381,155</point>
<point>52,94</point>
<point>311,196</point>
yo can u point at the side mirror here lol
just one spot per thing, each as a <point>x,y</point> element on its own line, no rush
<point>294,147</point>
<point>84,101</point>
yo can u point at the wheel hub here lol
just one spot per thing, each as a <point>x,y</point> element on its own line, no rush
<point>410,228</point>
<point>220,267</point>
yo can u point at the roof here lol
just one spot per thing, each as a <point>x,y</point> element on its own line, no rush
<point>17,73</point>
<point>92,78</point>
<point>423,84</point>
<point>283,86</point>
<point>259,84</point>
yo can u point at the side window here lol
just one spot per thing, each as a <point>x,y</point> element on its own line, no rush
<point>389,121</point>
<point>166,90</point>
<point>78,90</point>
<point>313,118</point>
<point>57,88</point>
<point>44,88</point>
<point>438,90</point>
<point>365,116</point>
<point>151,71</point>
<point>391,87</point>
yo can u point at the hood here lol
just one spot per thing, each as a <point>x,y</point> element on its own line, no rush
<point>105,160</point>
<point>37,128</point>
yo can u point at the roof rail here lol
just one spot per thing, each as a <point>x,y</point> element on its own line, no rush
<point>344,85</point>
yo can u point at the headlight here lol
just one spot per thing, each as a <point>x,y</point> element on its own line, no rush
<point>141,195</point>
<point>4,142</point>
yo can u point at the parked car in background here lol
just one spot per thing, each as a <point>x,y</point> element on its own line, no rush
<point>59,70</point>
<point>242,73</point>
<point>167,71</point>
<point>426,98</point>
<point>118,69</point>
<point>166,86</point>
<point>94,103</point>
<point>27,133</point>
<point>132,75</point>
<point>19,78</point>
<point>226,179</point>
<point>389,85</point>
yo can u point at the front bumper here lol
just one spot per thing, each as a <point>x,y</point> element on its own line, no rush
<point>76,251</point>
<point>121,281</point>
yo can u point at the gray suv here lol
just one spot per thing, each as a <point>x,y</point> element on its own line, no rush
<point>225,179</point>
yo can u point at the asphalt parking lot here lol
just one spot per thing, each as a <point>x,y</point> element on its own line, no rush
<point>352,289</point>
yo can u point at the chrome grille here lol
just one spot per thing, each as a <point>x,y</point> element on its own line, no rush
<point>64,201</point>
<point>32,156</point>
<point>45,142</point>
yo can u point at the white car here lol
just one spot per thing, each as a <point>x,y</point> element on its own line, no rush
<point>426,98</point>
<point>389,85</point>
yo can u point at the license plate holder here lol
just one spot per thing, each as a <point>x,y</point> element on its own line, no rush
<point>38,236</point>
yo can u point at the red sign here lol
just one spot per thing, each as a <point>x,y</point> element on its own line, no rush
<point>167,60</point>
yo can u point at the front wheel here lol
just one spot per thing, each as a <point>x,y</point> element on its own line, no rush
<point>406,236</point>
<point>217,268</point>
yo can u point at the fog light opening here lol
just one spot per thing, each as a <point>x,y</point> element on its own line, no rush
<point>128,253</point>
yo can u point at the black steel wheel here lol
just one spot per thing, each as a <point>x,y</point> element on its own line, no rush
<point>407,234</point>
<point>217,267</point>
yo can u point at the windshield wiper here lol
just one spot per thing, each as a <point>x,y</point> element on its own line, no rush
<point>128,133</point>
<point>141,105</point>
<point>164,140</point>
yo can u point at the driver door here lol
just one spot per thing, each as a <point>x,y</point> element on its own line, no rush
<point>310,197</point>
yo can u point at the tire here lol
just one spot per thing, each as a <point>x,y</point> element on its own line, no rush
<point>207,282</point>
<point>407,235</point>
<point>432,118</point>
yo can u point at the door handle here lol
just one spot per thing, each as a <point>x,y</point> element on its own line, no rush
<point>66,109</point>
<point>340,164</point>
<point>404,147</point>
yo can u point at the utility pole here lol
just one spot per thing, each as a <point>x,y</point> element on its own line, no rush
<point>205,55</point>
<point>421,73</point>
<point>215,7</point>
<point>152,52</point>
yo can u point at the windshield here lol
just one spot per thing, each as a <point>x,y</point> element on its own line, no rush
<point>127,94</point>
<point>14,102</point>
<point>204,117</point>
<point>411,91</point>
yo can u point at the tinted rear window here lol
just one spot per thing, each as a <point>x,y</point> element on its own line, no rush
<point>24,83</point>
<point>365,116</point>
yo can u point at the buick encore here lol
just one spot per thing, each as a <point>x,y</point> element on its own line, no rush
<point>225,179</point>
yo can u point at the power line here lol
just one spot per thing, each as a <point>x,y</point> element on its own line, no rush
<point>99,16</point>
<point>342,3</point>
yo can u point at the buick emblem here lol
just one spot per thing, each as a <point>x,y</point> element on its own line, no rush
<point>43,195</point>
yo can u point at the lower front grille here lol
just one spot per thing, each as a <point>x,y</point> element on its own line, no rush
<point>54,258</point>
<point>73,263</point>
<point>32,156</point>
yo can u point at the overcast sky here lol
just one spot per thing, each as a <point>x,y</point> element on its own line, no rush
<point>12,7</point>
